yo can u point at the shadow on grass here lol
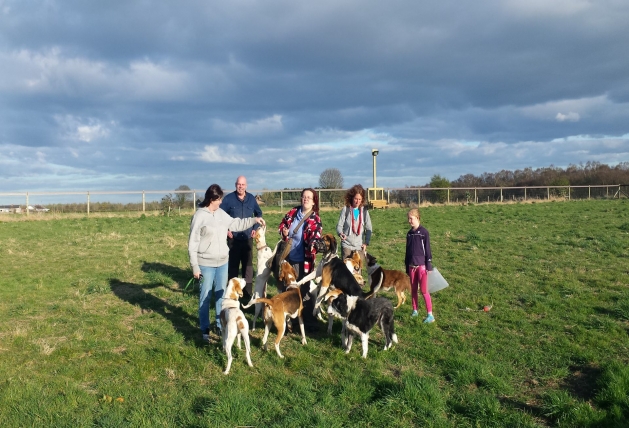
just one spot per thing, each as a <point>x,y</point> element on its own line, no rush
<point>582,383</point>
<point>135,294</point>
<point>535,411</point>
<point>178,275</point>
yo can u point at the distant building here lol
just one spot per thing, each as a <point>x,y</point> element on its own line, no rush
<point>10,209</point>
<point>38,208</point>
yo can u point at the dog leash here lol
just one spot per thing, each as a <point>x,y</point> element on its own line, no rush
<point>192,282</point>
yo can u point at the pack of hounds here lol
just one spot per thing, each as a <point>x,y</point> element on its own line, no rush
<point>336,282</point>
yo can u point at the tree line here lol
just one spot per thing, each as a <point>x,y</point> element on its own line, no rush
<point>590,173</point>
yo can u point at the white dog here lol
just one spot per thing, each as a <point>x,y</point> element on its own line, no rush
<point>233,321</point>
<point>262,276</point>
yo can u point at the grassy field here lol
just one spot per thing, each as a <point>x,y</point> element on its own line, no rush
<point>95,329</point>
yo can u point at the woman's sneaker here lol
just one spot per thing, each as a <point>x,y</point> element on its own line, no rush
<point>206,335</point>
<point>414,314</point>
<point>429,319</point>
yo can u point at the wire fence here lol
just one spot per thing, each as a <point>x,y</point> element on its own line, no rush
<point>171,201</point>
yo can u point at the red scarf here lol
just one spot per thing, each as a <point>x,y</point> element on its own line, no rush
<point>356,230</point>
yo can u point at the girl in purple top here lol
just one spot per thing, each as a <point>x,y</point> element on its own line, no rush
<point>418,262</point>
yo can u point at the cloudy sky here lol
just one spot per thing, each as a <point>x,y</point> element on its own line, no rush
<point>129,95</point>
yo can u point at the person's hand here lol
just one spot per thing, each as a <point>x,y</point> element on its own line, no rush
<point>197,275</point>
<point>364,248</point>
<point>343,237</point>
<point>260,221</point>
<point>285,231</point>
<point>230,234</point>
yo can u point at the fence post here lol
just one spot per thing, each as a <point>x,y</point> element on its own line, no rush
<point>419,197</point>
<point>524,194</point>
<point>143,201</point>
<point>281,201</point>
<point>475,197</point>
<point>589,188</point>
<point>448,195</point>
<point>27,203</point>
<point>568,192</point>
<point>388,196</point>
<point>194,201</point>
<point>548,193</point>
<point>501,194</point>
<point>88,202</point>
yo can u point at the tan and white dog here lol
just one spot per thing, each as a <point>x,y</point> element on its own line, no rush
<point>233,321</point>
<point>387,279</point>
<point>277,308</point>
<point>262,276</point>
<point>355,265</point>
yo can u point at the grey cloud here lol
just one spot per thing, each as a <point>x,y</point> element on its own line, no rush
<point>131,91</point>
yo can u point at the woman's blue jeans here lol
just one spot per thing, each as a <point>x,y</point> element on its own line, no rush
<point>214,280</point>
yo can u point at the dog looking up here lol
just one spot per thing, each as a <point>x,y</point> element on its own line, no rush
<point>336,274</point>
<point>355,265</point>
<point>263,271</point>
<point>233,321</point>
<point>276,310</point>
<point>387,279</point>
<point>361,316</point>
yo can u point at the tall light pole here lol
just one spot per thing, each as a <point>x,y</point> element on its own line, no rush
<point>374,153</point>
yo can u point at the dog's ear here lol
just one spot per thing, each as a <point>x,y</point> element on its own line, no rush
<point>282,271</point>
<point>332,245</point>
<point>332,294</point>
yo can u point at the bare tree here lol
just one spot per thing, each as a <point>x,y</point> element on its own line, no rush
<point>181,199</point>
<point>331,178</point>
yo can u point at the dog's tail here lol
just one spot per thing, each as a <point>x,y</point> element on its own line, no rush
<point>258,300</point>
<point>375,287</point>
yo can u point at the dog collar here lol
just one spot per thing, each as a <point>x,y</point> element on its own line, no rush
<point>372,269</point>
<point>262,247</point>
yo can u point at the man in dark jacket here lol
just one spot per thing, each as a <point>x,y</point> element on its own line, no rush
<point>241,204</point>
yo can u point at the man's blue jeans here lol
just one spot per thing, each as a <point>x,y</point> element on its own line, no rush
<point>214,280</point>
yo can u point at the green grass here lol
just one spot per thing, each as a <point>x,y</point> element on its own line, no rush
<point>95,329</point>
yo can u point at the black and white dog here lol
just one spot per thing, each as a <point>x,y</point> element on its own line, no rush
<point>360,316</point>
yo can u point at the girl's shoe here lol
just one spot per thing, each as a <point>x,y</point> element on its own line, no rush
<point>414,314</point>
<point>429,319</point>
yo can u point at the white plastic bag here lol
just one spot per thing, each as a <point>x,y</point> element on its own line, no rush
<point>436,281</point>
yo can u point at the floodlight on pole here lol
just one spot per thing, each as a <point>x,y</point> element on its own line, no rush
<point>374,153</point>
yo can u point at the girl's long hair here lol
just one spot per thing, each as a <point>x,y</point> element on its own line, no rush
<point>213,193</point>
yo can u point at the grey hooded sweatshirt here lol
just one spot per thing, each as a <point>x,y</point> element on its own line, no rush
<point>354,241</point>
<point>207,244</point>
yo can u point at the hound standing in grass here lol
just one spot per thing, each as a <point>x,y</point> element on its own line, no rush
<point>282,305</point>
<point>233,321</point>
<point>264,271</point>
<point>360,316</point>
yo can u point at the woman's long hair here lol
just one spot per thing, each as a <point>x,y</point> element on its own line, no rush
<point>315,198</point>
<point>213,193</point>
<point>356,189</point>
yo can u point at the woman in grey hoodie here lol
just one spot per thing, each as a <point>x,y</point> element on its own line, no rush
<point>209,254</point>
<point>354,222</point>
